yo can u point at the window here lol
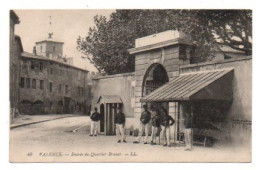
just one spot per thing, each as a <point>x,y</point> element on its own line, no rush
<point>32,65</point>
<point>67,73</point>
<point>50,86</point>
<point>41,66</point>
<point>79,75</point>
<point>34,83</point>
<point>22,82</point>
<point>61,72</point>
<point>83,91</point>
<point>78,90</point>
<point>53,48</point>
<point>50,105</point>
<point>60,88</point>
<point>41,84</point>
<point>28,83</point>
<point>41,48</point>
<point>51,71</point>
<point>66,89</point>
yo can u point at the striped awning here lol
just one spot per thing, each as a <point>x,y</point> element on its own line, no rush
<point>214,84</point>
<point>109,99</point>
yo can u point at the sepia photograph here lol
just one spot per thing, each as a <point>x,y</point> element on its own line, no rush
<point>130,85</point>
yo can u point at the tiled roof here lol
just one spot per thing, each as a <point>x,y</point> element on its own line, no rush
<point>37,57</point>
<point>195,85</point>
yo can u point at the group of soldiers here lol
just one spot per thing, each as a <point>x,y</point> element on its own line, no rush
<point>159,119</point>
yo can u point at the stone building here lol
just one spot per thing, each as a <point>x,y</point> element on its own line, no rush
<point>49,83</point>
<point>15,50</point>
<point>218,92</point>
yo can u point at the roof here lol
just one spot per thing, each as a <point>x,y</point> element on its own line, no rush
<point>109,99</point>
<point>50,40</point>
<point>215,84</point>
<point>114,75</point>
<point>37,57</point>
<point>14,17</point>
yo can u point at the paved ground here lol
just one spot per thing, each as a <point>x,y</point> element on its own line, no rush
<point>54,141</point>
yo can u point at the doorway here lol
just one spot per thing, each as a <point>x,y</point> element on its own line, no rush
<point>66,105</point>
<point>102,118</point>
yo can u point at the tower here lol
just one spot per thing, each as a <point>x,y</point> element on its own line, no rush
<point>49,47</point>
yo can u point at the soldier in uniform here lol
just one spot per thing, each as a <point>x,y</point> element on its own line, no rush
<point>95,117</point>
<point>120,125</point>
<point>166,122</point>
<point>144,125</point>
<point>155,124</point>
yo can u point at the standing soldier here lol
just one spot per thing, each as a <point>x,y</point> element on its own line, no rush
<point>155,125</point>
<point>166,122</point>
<point>144,125</point>
<point>120,125</point>
<point>188,131</point>
<point>95,117</point>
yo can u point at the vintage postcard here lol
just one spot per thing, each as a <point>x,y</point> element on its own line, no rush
<point>146,85</point>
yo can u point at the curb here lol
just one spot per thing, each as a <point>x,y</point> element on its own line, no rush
<point>35,122</point>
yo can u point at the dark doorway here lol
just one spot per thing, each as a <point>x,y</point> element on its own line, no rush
<point>66,105</point>
<point>102,118</point>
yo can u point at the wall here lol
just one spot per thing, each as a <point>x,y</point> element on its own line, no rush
<point>120,85</point>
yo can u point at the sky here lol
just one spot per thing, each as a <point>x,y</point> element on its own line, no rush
<point>67,26</point>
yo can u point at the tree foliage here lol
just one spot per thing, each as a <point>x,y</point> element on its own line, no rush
<point>107,42</point>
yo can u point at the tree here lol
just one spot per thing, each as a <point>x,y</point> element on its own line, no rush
<point>107,42</point>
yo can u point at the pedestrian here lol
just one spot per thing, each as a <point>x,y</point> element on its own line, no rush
<point>155,125</point>
<point>144,125</point>
<point>166,122</point>
<point>120,125</point>
<point>95,117</point>
<point>188,131</point>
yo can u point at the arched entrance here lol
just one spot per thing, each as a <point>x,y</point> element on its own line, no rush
<point>25,107</point>
<point>38,107</point>
<point>155,76</point>
<point>102,118</point>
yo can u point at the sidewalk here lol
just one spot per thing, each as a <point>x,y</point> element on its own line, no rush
<point>24,120</point>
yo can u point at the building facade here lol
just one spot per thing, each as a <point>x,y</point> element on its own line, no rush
<point>49,84</point>
<point>15,51</point>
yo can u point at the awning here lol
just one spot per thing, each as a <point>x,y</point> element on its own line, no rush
<point>109,99</point>
<point>214,84</point>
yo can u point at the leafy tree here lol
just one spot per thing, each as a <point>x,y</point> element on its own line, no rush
<point>107,42</point>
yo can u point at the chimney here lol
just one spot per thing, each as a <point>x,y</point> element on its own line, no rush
<point>34,50</point>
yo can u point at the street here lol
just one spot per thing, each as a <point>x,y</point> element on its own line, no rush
<point>55,141</point>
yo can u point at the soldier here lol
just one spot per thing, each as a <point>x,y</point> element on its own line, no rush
<point>166,122</point>
<point>120,125</point>
<point>188,131</point>
<point>155,125</point>
<point>95,117</point>
<point>144,125</point>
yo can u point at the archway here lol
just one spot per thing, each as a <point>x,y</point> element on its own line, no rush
<point>25,107</point>
<point>155,76</point>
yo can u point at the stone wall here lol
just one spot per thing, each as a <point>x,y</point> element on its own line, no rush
<point>121,85</point>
